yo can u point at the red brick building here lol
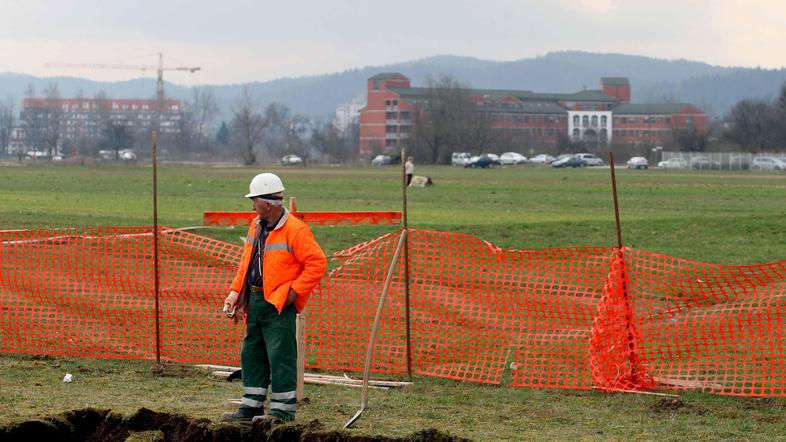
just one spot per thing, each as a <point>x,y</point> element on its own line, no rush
<point>602,116</point>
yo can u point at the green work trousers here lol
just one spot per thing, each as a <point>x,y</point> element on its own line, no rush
<point>269,358</point>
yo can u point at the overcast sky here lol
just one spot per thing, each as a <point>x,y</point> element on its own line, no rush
<point>237,41</point>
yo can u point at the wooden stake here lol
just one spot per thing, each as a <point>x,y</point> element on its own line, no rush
<point>155,245</point>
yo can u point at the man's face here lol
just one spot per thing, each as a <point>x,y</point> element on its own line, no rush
<point>260,206</point>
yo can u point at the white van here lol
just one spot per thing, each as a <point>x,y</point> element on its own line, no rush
<point>459,158</point>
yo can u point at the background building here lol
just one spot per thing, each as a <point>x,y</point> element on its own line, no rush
<point>347,114</point>
<point>45,124</point>
<point>529,119</point>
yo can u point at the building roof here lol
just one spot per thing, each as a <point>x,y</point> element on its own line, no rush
<point>615,81</point>
<point>387,76</point>
<point>496,94</point>
<point>648,108</point>
<point>585,95</point>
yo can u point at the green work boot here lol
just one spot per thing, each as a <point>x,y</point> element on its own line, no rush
<point>243,414</point>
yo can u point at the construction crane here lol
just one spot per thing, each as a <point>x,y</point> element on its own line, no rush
<point>159,70</point>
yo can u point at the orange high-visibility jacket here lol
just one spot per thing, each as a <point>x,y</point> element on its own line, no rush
<point>292,260</point>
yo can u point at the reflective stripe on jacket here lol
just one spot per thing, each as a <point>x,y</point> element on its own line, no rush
<point>292,260</point>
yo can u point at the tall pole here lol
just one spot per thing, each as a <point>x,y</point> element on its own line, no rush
<point>634,362</point>
<point>616,204</point>
<point>155,245</point>
<point>406,260</point>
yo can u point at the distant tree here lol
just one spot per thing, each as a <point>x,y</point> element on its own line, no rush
<point>203,111</point>
<point>338,146</point>
<point>779,110</point>
<point>53,117</point>
<point>752,125</point>
<point>7,121</point>
<point>276,134</point>
<point>223,135</point>
<point>117,137</point>
<point>691,140</point>
<point>448,120</point>
<point>248,126</point>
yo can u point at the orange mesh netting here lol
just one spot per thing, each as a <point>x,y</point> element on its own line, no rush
<point>574,317</point>
<point>90,292</point>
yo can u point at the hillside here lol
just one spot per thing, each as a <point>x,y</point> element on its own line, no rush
<point>653,80</point>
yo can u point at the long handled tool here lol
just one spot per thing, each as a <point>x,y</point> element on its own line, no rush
<point>374,329</point>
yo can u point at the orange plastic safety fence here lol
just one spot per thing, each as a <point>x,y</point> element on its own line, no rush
<point>90,292</point>
<point>575,317</point>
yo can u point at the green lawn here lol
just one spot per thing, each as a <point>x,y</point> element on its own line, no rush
<point>719,217</point>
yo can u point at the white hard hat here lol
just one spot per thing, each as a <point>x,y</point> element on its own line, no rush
<point>265,184</point>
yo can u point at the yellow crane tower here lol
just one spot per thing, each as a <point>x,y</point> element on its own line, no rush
<point>159,70</point>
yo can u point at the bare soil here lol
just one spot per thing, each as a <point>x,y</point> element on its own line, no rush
<point>91,424</point>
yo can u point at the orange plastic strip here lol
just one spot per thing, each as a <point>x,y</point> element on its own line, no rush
<point>313,218</point>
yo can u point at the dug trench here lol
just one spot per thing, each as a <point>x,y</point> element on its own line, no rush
<point>91,424</point>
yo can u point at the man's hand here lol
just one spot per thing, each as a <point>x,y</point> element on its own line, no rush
<point>231,309</point>
<point>291,297</point>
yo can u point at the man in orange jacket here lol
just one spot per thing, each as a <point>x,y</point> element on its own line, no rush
<point>280,266</point>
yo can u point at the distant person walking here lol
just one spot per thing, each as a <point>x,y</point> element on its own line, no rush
<point>280,266</point>
<point>409,169</point>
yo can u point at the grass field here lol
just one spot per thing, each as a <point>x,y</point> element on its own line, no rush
<point>729,218</point>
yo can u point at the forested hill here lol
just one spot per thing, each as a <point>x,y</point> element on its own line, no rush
<point>714,88</point>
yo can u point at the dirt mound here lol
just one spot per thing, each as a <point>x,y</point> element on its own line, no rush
<point>105,426</point>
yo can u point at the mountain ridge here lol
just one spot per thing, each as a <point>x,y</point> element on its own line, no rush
<point>714,88</point>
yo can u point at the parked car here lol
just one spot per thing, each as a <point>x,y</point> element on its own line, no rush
<point>673,163</point>
<point>542,159</point>
<point>459,158</point>
<point>482,161</point>
<point>638,163</point>
<point>494,157</point>
<point>590,159</point>
<point>36,154</point>
<point>571,161</point>
<point>512,158</point>
<point>381,160</point>
<point>767,163</point>
<point>291,160</point>
<point>704,163</point>
<point>127,155</point>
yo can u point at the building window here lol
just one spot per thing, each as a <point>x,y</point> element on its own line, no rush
<point>594,121</point>
<point>575,120</point>
<point>585,121</point>
<point>575,133</point>
<point>603,121</point>
<point>376,85</point>
<point>604,134</point>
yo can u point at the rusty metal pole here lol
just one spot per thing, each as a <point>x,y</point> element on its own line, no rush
<point>616,203</point>
<point>406,261</point>
<point>155,244</point>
